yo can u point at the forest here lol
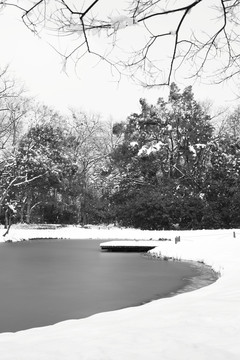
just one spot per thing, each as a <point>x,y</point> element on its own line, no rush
<point>170,166</point>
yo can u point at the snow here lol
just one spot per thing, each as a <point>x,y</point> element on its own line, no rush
<point>151,149</point>
<point>131,243</point>
<point>191,148</point>
<point>200,325</point>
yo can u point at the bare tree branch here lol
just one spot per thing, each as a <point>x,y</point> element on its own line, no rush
<point>164,38</point>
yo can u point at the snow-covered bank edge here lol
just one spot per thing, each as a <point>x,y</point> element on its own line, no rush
<point>206,274</point>
<point>199,325</point>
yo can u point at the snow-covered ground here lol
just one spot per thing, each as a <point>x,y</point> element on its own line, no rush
<point>198,325</point>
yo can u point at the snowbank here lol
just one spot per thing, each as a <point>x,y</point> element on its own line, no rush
<point>200,325</point>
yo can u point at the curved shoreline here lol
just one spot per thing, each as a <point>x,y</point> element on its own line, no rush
<point>201,325</point>
<point>198,276</point>
<point>206,277</point>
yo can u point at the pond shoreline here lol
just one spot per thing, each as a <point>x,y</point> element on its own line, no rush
<point>187,325</point>
<point>207,275</point>
<point>49,264</point>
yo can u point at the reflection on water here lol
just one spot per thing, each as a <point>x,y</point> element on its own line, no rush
<point>46,281</point>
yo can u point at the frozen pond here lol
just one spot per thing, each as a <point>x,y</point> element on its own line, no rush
<point>46,281</point>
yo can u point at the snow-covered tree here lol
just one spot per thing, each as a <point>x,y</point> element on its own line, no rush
<point>42,168</point>
<point>166,140</point>
<point>165,152</point>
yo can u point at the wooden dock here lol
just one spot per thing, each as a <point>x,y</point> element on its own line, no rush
<point>130,245</point>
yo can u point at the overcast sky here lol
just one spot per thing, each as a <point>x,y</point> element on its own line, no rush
<point>40,67</point>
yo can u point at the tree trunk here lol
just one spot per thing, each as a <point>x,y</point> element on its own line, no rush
<point>8,220</point>
<point>79,211</point>
<point>84,215</point>
<point>28,215</point>
<point>22,212</point>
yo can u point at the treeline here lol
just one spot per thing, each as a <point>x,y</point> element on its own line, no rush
<point>167,167</point>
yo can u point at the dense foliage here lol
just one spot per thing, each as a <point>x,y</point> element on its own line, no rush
<point>166,167</point>
<point>174,170</point>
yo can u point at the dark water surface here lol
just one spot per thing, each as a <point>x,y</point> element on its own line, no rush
<point>46,281</point>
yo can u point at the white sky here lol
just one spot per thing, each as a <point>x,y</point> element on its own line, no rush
<point>39,66</point>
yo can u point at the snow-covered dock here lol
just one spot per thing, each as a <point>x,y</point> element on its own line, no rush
<point>130,245</point>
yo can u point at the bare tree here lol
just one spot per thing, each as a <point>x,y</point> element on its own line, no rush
<point>13,108</point>
<point>148,40</point>
<point>89,150</point>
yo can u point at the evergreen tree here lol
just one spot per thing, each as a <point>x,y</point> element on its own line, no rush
<point>165,151</point>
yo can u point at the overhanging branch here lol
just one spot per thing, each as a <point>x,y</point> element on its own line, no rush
<point>143,63</point>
